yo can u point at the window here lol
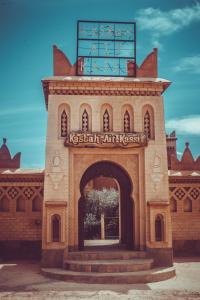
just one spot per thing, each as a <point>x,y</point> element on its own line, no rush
<point>36,204</point>
<point>85,117</point>
<point>20,204</point>
<point>127,123</point>
<point>56,222</point>
<point>85,121</point>
<point>159,228</point>
<point>148,121</point>
<point>63,124</point>
<point>106,121</point>
<point>187,205</point>
<point>4,204</point>
<point>147,124</point>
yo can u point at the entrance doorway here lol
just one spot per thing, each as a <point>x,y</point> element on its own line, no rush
<point>116,181</point>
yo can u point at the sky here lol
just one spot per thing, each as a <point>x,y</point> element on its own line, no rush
<point>28,29</point>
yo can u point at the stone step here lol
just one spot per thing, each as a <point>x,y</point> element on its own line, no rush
<point>104,255</point>
<point>153,275</point>
<point>109,266</point>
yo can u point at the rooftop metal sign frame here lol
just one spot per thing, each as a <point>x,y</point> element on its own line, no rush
<point>106,48</point>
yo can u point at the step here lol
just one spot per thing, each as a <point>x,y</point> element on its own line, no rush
<point>104,255</point>
<point>153,275</point>
<point>109,266</point>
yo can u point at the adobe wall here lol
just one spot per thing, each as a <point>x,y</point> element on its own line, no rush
<point>185,218</point>
<point>20,227</point>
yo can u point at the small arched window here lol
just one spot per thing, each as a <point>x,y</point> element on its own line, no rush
<point>85,121</point>
<point>147,124</point>
<point>173,205</point>
<point>148,121</point>
<point>127,123</point>
<point>4,204</point>
<point>106,121</point>
<point>56,227</point>
<point>159,228</point>
<point>20,204</point>
<point>187,205</point>
<point>63,124</point>
<point>36,204</point>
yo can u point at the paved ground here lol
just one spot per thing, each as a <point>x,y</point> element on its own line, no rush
<point>22,280</point>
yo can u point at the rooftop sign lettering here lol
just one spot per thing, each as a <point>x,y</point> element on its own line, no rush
<point>106,48</point>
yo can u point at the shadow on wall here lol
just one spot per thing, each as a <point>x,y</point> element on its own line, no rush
<point>186,248</point>
<point>20,250</point>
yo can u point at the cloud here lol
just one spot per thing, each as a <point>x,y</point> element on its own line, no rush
<point>189,64</point>
<point>186,125</point>
<point>162,23</point>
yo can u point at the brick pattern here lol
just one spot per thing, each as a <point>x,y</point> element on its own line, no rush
<point>23,225</point>
<point>185,225</point>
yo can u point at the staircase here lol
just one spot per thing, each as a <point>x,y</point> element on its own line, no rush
<point>103,267</point>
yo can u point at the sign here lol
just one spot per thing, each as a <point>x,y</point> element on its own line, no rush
<point>106,48</point>
<point>105,140</point>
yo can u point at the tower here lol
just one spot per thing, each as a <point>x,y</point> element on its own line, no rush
<point>110,126</point>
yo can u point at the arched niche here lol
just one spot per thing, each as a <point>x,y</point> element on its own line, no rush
<point>187,205</point>
<point>20,204</point>
<point>4,204</point>
<point>173,205</point>
<point>36,204</point>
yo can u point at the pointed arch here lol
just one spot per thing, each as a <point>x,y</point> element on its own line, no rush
<point>63,120</point>
<point>106,118</point>
<point>148,121</point>
<point>56,228</point>
<point>187,205</point>
<point>127,118</point>
<point>159,228</point>
<point>85,118</point>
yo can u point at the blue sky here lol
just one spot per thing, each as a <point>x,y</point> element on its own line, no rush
<point>28,29</point>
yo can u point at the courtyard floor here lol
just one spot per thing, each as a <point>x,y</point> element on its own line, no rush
<point>22,280</point>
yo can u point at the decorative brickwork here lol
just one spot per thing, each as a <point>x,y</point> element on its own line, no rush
<point>185,208</point>
<point>21,208</point>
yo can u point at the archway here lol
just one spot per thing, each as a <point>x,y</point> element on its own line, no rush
<point>110,169</point>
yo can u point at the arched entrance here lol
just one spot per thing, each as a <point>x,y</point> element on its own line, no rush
<point>110,169</point>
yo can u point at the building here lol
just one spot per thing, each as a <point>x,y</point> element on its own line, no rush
<point>111,127</point>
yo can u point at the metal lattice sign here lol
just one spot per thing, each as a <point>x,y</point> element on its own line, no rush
<point>106,48</point>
